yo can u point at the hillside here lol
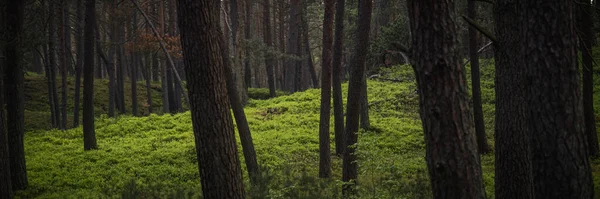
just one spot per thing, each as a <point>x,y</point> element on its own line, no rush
<point>154,156</point>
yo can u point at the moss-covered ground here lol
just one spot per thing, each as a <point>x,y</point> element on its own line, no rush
<point>154,156</point>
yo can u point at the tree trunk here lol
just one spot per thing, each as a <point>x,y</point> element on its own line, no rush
<point>326,58</point>
<point>514,177</point>
<point>338,104</point>
<point>52,64</point>
<point>64,49</point>
<point>292,47</point>
<point>482,144</point>
<point>587,40</point>
<point>309,59</point>
<point>79,63</point>
<point>220,172</point>
<point>451,148</point>
<point>240,119</point>
<point>136,60</point>
<point>350,166</point>
<point>269,60</point>
<point>5,182</point>
<point>248,36</point>
<point>89,134</point>
<point>561,168</point>
<point>14,94</point>
<point>148,86</point>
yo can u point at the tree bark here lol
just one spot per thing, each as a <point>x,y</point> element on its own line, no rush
<point>587,40</point>
<point>89,134</point>
<point>326,58</point>
<point>338,104</point>
<point>451,149</point>
<point>5,182</point>
<point>79,63</point>
<point>309,59</point>
<point>482,144</point>
<point>52,64</point>
<point>514,178</point>
<point>364,104</point>
<point>349,165</point>
<point>269,60</point>
<point>292,45</point>
<point>146,72</point>
<point>64,32</point>
<point>248,36</point>
<point>561,168</point>
<point>14,89</point>
<point>220,172</point>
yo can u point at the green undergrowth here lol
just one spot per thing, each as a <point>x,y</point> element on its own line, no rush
<point>154,156</point>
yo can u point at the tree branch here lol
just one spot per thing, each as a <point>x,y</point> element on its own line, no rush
<point>480,28</point>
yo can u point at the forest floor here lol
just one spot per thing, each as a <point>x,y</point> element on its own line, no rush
<point>154,156</point>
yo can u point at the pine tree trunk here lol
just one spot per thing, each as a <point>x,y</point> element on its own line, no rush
<point>514,177</point>
<point>292,47</point>
<point>338,104</point>
<point>451,149</point>
<point>14,94</point>
<point>52,64</point>
<point>587,40</point>
<point>146,71</point>
<point>364,104</point>
<point>220,172</point>
<point>561,168</point>
<point>64,49</point>
<point>350,166</point>
<point>89,134</point>
<point>5,182</point>
<point>79,64</point>
<point>269,60</point>
<point>309,59</point>
<point>248,36</point>
<point>482,144</point>
<point>326,58</point>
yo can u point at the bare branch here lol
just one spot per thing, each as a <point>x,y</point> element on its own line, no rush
<point>480,28</point>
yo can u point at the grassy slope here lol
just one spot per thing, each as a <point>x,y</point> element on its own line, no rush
<point>157,152</point>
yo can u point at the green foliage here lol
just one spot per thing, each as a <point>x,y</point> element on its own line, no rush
<point>263,93</point>
<point>154,156</point>
<point>396,32</point>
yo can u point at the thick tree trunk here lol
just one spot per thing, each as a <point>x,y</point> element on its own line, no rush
<point>89,134</point>
<point>451,148</point>
<point>79,63</point>
<point>248,36</point>
<point>5,182</point>
<point>14,89</point>
<point>269,60</point>
<point>561,168</point>
<point>220,172</point>
<point>482,144</point>
<point>52,64</point>
<point>326,58</point>
<point>514,177</point>
<point>587,40</point>
<point>350,166</point>
<point>364,104</point>
<point>338,104</point>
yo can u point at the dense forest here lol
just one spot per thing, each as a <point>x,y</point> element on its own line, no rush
<point>274,99</point>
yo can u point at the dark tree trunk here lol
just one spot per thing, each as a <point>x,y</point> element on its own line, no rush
<point>15,94</point>
<point>63,31</point>
<point>514,177</point>
<point>5,182</point>
<point>350,166</point>
<point>587,40</point>
<point>240,119</point>
<point>561,168</point>
<point>338,104</point>
<point>269,60</point>
<point>220,172</point>
<point>309,59</point>
<point>79,63</point>
<point>451,148</point>
<point>171,93</point>
<point>248,36</point>
<point>52,64</point>
<point>326,58</point>
<point>298,67</point>
<point>89,134</point>
<point>120,69</point>
<point>281,24</point>
<point>364,104</point>
<point>155,69</point>
<point>136,60</point>
<point>292,47</point>
<point>146,71</point>
<point>482,144</point>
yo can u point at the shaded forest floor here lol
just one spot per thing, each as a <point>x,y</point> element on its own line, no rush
<point>154,156</point>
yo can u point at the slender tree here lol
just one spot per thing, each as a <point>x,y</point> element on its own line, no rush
<point>134,70</point>
<point>561,168</point>
<point>349,166</point>
<point>14,94</point>
<point>52,64</point>
<point>309,60</point>
<point>89,134</point>
<point>269,60</point>
<point>64,32</point>
<point>79,63</point>
<point>248,36</point>
<point>514,178</point>
<point>482,144</point>
<point>587,40</point>
<point>451,150</point>
<point>220,172</point>
<point>326,58</point>
<point>293,45</point>
<point>338,104</point>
